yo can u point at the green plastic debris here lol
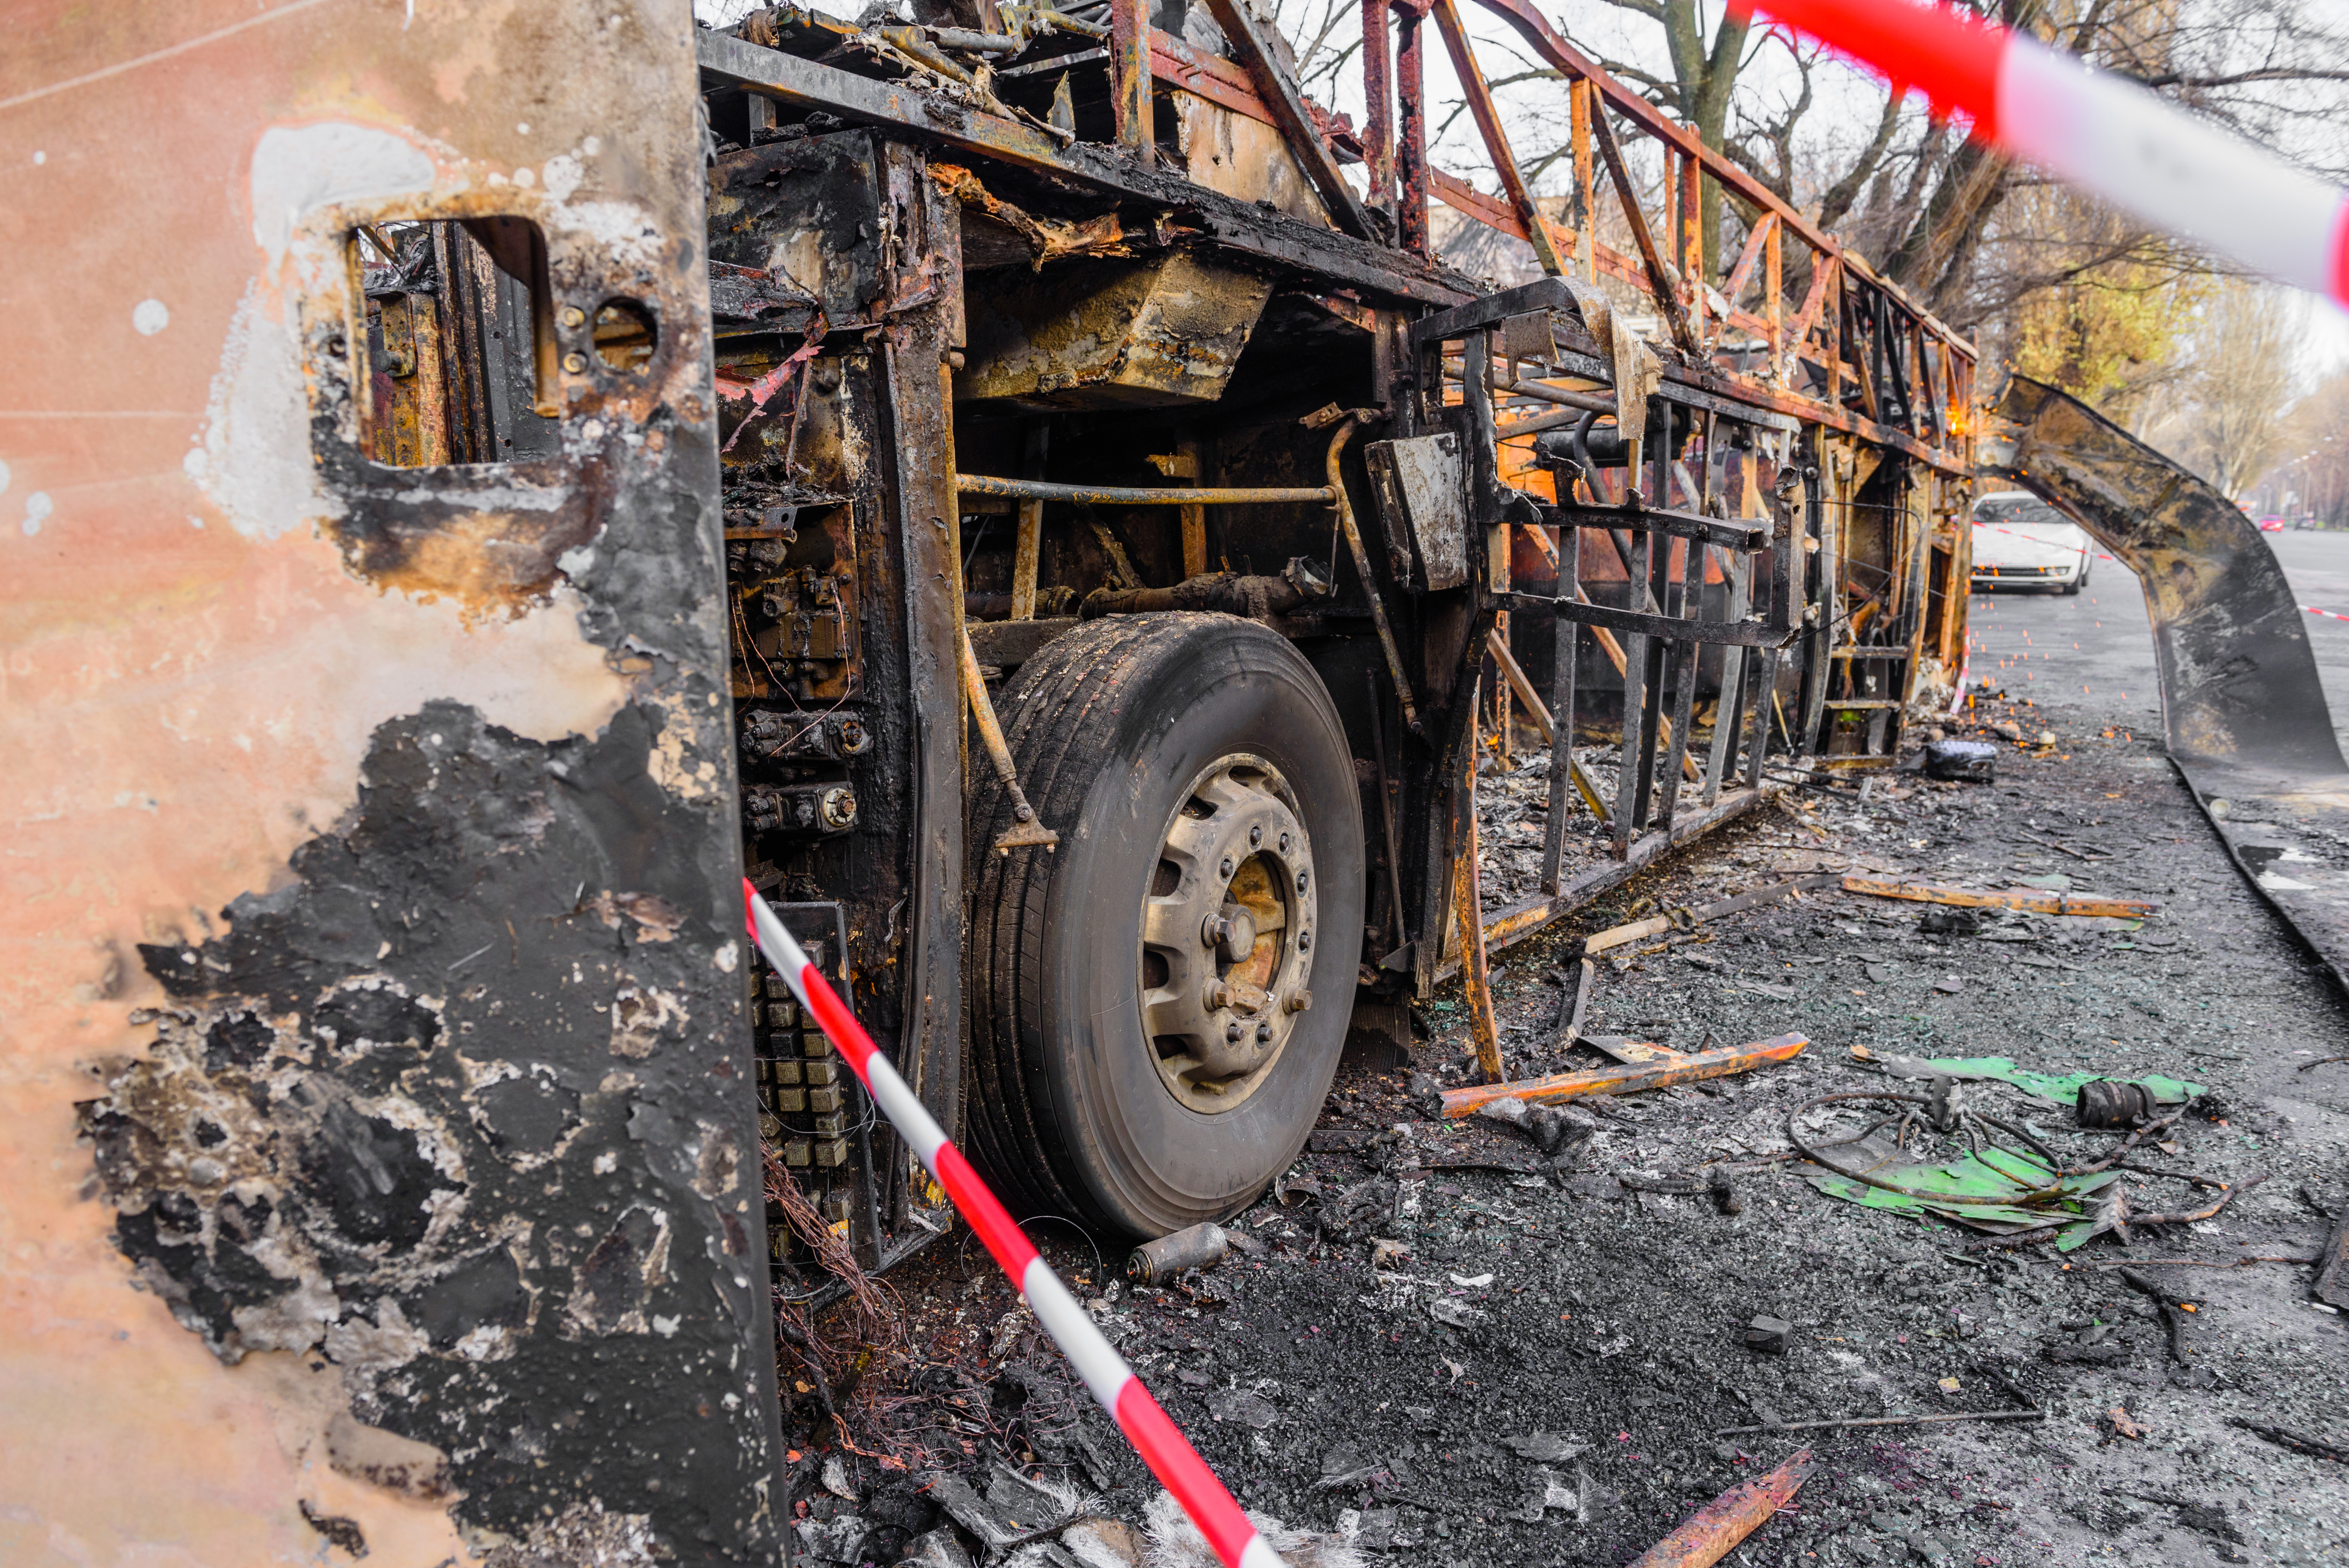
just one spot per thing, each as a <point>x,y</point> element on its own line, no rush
<point>2035,1197</point>
<point>2063,1090</point>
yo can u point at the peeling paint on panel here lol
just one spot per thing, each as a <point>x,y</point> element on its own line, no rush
<point>344,1138</point>
<point>356,824</point>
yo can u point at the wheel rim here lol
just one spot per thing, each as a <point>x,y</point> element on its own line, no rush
<point>1227,931</point>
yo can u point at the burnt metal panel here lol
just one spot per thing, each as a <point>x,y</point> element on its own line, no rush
<point>374,962</point>
<point>2242,711</point>
<point>1421,489</point>
<point>810,215</point>
<point>1159,333</point>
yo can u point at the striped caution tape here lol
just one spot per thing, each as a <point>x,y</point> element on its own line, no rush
<point>2326,614</point>
<point>2097,131</point>
<point>2011,533</point>
<point>1154,1437</point>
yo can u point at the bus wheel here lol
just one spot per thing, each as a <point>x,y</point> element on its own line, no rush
<point>1157,1006</point>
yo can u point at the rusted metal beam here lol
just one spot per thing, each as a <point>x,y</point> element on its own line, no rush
<point>1410,152</point>
<point>1132,495</point>
<point>1755,242</point>
<point>1028,542</point>
<point>2008,898</point>
<point>1581,97</point>
<point>1497,140</point>
<point>1468,915</point>
<point>1628,1079</point>
<point>1378,98</point>
<point>1464,198</point>
<point>1130,75</point>
<point>1296,126</point>
<point>1659,281</point>
<point>1194,515</point>
<point>1713,1531</point>
<point>1211,77</point>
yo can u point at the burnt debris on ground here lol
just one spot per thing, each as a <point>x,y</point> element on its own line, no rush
<point>1471,1342</point>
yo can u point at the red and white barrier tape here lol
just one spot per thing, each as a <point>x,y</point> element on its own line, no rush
<point>2097,131</point>
<point>1154,1437</point>
<point>2028,539</point>
<point>2326,614</point>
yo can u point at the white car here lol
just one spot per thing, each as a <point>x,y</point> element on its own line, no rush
<point>2021,541</point>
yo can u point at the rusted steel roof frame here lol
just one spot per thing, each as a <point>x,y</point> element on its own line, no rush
<point>1221,81</point>
<point>1535,228</point>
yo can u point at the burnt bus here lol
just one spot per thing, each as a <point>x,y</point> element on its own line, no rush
<point>1021,486</point>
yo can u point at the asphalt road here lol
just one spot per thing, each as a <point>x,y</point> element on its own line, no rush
<point>2096,649</point>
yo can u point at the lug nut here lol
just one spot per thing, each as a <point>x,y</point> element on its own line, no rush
<point>1232,1032</point>
<point>1256,836</point>
<point>573,317</point>
<point>1264,1031</point>
<point>1300,882</point>
<point>1284,843</point>
<point>1219,995</point>
<point>1304,942</point>
<point>1227,868</point>
<point>1298,1001</point>
<point>1213,929</point>
<point>576,363</point>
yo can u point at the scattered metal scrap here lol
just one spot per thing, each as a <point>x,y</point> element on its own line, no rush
<point>2332,1286</point>
<point>2065,1089</point>
<point>2298,1442</point>
<point>1653,1067</point>
<point>1713,1531</point>
<point>2030,1415</point>
<point>2005,898</point>
<point>1687,919</point>
<point>1201,1246</point>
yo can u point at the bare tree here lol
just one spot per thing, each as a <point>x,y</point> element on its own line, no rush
<point>2235,422</point>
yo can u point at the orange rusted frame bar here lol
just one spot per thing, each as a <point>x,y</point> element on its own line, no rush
<point>1576,66</point>
<point>1713,1531</point>
<point>1627,1080</point>
<point>1462,197</point>
<point>1660,280</point>
<point>1467,900</point>
<point>1278,94</point>
<point>1978,898</point>
<point>1129,74</point>
<point>1754,241</point>
<point>1496,140</point>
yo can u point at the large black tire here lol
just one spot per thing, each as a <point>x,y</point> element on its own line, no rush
<point>1066,1107</point>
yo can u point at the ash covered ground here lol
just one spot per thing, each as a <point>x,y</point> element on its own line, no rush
<point>1544,1365</point>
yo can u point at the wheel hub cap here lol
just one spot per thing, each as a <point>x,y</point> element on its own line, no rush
<point>1226,934</point>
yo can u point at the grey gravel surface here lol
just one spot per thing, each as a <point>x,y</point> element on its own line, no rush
<point>1544,1372</point>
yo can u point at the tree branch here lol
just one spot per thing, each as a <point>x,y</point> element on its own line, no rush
<point>2238,78</point>
<point>1845,190</point>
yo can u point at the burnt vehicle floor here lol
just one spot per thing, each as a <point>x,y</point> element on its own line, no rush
<point>1542,1376</point>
